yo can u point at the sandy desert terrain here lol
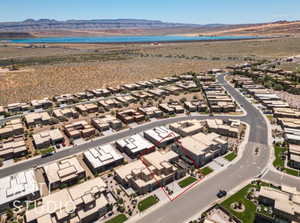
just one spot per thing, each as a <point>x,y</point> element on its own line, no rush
<point>69,68</point>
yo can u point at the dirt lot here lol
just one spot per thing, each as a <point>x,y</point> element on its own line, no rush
<point>93,65</point>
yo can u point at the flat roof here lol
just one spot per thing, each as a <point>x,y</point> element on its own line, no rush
<point>47,135</point>
<point>200,142</point>
<point>126,170</point>
<point>161,134</point>
<point>156,158</point>
<point>188,126</point>
<point>64,202</point>
<point>193,145</point>
<point>62,169</point>
<point>102,155</point>
<point>155,161</point>
<point>135,143</point>
<point>17,186</point>
<point>292,137</point>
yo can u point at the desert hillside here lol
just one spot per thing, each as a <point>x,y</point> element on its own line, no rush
<point>53,28</point>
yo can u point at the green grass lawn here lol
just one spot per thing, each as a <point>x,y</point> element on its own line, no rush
<point>147,203</point>
<point>230,156</point>
<point>278,162</point>
<point>187,181</point>
<point>206,170</point>
<point>118,219</point>
<point>47,150</point>
<point>291,171</point>
<point>248,215</point>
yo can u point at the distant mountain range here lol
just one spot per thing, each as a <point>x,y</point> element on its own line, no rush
<point>50,24</point>
<point>107,27</point>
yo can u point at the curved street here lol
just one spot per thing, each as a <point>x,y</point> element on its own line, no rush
<point>247,167</point>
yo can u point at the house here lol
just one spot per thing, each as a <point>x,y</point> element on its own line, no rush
<point>270,97</point>
<point>85,95</point>
<point>186,128</point>
<point>87,108</point>
<point>157,92</point>
<point>130,115</point>
<point>134,146</point>
<point>114,90</point>
<point>33,119</point>
<point>170,79</point>
<point>195,106</point>
<point>43,103</point>
<point>144,84</point>
<point>13,127</point>
<point>187,85</point>
<point>131,87</point>
<point>153,171</point>
<point>127,99</point>
<point>102,158</point>
<point>161,136</point>
<point>47,138</point>
<point>101,92</point>
<point>285,202</point>
<point>84,203</point>
<point>67,171</point>
<point>141,95</point>
<point>158,82</point>
<point>64,99</point>
<point>18,107</point>
<point>294,156</point>
<point>230,128</point>
<point>172,89</point>
<point>223,107</point>
<point>205,78</point>
<point>292,136</point>
<point>105,122</point>
<point>171,109</point>
<point>110,103</point>
<point>21,186</point>
<point>79,129</point>
<point>186,77</point>
<point>151,111</point>
<point>285,113</point>
<point>13,148</point>
<point>271,104</point>
<point>201,148</point>
<point>65,113</point>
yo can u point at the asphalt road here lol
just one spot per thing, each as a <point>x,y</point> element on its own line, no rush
<point>118,135</point>
<point>178,211</point>
<point>249,166</point>
<point>96,142</point>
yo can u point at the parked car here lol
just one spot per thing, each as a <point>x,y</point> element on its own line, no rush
<point>221,193</point>
<point>47,154</point>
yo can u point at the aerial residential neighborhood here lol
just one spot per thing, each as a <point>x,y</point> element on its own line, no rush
<point>130,167</point>
<point>149,112</point>
<point>192,135</point>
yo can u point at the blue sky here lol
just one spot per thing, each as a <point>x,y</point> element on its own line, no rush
<point>187,11</point>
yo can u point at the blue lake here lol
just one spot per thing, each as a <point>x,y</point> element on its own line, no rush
<point>128,39</point>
